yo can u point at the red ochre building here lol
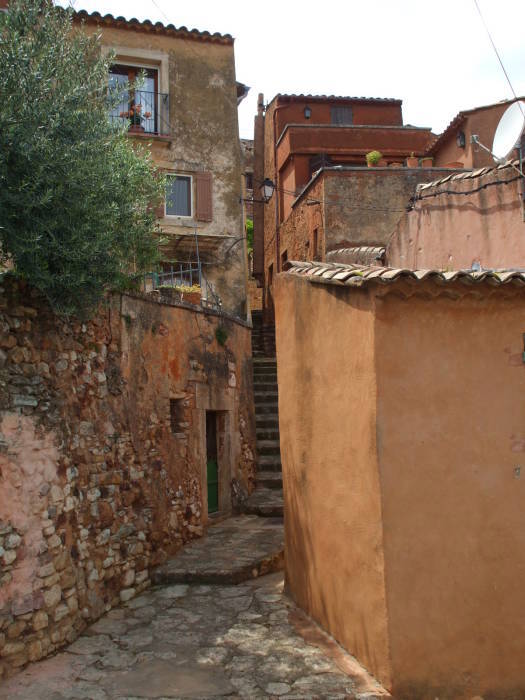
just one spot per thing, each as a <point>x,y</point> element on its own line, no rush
<point>297,135</point>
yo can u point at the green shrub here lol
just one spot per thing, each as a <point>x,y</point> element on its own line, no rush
<point>76,197</point>
<point>373,157</point>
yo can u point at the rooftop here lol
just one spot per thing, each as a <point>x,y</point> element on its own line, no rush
<point>460,118</point>
<point>508,168</point>
<point>152,27</point>
<point>366,275</point>
<point>332,98</point>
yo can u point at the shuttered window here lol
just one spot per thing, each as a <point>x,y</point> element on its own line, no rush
<point>203,197</point>
<point>178,195</point>
<point>341,115</point>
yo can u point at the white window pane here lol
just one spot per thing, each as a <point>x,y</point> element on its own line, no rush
<point>178,196</point>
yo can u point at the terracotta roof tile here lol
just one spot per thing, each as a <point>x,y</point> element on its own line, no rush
<point>510,164</point>
<point>156,28</point>
<point>334,98</point>
<point>363,255</point>
<point>360,275</point>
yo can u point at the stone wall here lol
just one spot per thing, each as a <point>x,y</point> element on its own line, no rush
<point>103,453</point>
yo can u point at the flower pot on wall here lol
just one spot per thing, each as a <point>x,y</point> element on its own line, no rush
<point>192,297</point>
<point>412,162</point>
<point>426,162</point>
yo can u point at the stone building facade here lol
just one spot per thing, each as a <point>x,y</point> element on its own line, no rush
<point>190,94</point>
<point>103,453</point>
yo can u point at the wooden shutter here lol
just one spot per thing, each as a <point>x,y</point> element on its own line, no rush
<point>203,197</point>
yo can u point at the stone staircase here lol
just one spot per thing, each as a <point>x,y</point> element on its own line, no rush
<point>267,499</point>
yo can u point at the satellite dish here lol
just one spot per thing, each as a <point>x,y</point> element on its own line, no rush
<point>509,131</point>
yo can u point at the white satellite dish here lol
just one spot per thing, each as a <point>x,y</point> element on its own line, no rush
<point>509,132</point>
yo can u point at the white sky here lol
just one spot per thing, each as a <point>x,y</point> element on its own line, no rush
<point>435,56</point>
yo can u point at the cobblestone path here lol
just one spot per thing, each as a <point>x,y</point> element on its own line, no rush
<point>195,640</point>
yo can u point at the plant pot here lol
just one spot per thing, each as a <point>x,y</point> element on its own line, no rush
<point>383,163</point>
<point>412,162</point>
<point>192,298</point>
<point>426,162</point>
<point>136,129</point>
<point>370,164</point>
<point>395,165</point>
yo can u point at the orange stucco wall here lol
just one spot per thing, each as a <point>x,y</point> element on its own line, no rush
<point>401,421</point>
<point>334,550</point>
<point>452,231</point>
<point>482,122</point>
<point>452,504</point>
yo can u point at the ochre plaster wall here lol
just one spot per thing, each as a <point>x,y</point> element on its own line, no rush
<point>452,232</point>
<point>333,529</point>
<point>450,440</point>
<point>100,479</point>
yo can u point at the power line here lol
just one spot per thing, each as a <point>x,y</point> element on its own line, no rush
<point>497,53</point>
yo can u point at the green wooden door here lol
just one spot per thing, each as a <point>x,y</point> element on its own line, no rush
<point>213,485</point>
<point>212,462</point>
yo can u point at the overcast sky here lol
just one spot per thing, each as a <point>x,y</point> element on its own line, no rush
<point>435,56</point>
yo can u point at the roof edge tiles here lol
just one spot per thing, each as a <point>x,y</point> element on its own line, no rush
<point>333,98</point>
<point>467,175</point>
<point>153,27</point>
<point>364,275</point>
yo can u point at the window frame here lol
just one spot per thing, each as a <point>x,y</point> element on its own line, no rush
<point>192,198</point>
<point>133,69</point>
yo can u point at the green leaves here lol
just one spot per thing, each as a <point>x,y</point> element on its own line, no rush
<point>76,197</point>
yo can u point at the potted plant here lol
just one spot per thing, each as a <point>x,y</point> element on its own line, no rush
<point>191,295</point>
<point>373,158</point>
<point>426,162</point>
<point>412,161</point>
<point>136,118</point>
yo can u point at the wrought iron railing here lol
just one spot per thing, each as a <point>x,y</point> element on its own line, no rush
<point>143,111</point>
<point>184,274</point>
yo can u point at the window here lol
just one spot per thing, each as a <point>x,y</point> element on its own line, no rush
<point>341,115</point>
<point>138,107</point>
<point>179,195</point>
<point>248,180</point>
<point>315,244</point>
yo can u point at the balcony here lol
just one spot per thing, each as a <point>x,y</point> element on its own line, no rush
<point>144,112</point>
<point>183,281</point>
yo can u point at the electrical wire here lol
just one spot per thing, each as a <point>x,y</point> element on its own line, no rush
<point>497,54</point>
<point>419,197</point>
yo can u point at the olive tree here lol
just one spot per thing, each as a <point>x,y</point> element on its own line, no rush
<point>77,197</point>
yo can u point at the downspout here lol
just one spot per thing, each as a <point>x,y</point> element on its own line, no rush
<point>277,191</point>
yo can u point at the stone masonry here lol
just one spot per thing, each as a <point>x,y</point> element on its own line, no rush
<point>102,454</point>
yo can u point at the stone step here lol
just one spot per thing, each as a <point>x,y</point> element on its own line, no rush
<point>265,408</point>
<point>265,388</point>
<point>267,434</point>
<point>264,502</point>
<point>264,370</point>
<point>265,397</point>
<point>269,463</point>
<point>267,362</point>
<point>267,421</point>
<point>263,380</point>
<point>270,480</point>
<point>268,447</point>
<point>235,550</point>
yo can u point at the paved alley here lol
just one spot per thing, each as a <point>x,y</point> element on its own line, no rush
<point>192,641</point>
<point>203,640</point>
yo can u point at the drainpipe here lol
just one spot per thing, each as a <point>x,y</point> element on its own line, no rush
<point>277,191</point>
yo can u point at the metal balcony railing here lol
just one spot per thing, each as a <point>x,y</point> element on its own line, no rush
<point>144,112</point>
<point>184,274</point>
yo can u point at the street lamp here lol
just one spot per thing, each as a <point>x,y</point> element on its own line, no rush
<point>266,190</point>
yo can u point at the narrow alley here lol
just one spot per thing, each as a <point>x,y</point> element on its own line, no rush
<point>202,640</point>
